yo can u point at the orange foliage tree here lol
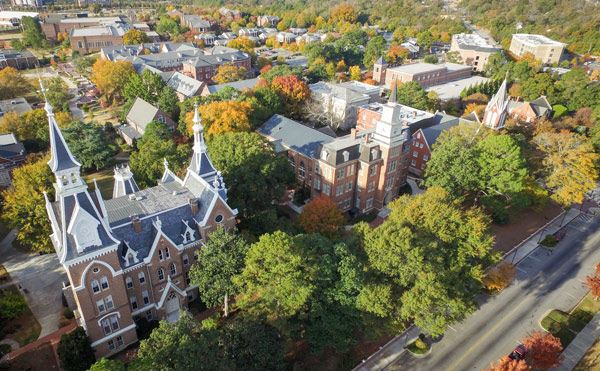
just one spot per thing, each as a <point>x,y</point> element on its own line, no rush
<point>507,364</point>
<point>222,117</point>
<point>344,13</point>
<point>321,215</point>
<point>230,73</point>
<point>544,350</point>
<point>500,276</point>
<point>593,282</point>
<point>396,54</point>
<point>293,91</point>
<point>111,77</point>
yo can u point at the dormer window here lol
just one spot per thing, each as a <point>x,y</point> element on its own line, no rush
<point>346,155</point>
<point>130,260</point>
<point>325,155</point>
<point>374,154</point>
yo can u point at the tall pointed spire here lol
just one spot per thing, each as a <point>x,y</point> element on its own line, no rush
<point>497,108</point>
<point>201,163</point>
<point>394,93</point>
<point>61,158</point>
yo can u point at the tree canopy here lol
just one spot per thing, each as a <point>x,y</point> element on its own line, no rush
<point>88,143</point>
<point>75,351</point>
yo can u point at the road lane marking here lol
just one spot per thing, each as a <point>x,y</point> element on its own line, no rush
<point>521,270</point>
<point>487,334</point>
<point>534,258</point>
<point>570,295</point>
<point>452,328</point>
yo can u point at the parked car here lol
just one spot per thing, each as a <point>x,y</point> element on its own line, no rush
<point>560,234</point>
<point>519,353</point>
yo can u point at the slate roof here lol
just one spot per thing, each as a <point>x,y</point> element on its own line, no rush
<point>184,84</point>
<point>239,85</point>
<point>141,113</point>
<point>442,122</point>
<point>338,91</point>
<point>287,133</point>
<point>10,146</point>
<point>61,157</point>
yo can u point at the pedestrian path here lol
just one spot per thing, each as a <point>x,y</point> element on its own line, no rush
<point>390,351</point>
<point>580,345</point>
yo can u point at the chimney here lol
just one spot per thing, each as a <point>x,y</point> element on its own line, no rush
<point>353,133</point>
<point>194,206</point>
<point>518,99</point>
<point>414,113</point>
<point>367,137</point>
<point>137,223</point>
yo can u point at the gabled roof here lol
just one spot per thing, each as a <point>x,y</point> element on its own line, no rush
<point>184,84</point>
<point>141,113</point>
<point>239,85</point>
<point>380,61</point>
<point>442,122</point>
<point>287,133</point>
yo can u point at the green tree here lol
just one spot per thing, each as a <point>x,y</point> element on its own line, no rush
<point>32,33</point>
<point>17,45</point>
<point>276,280</point>
<point>180,346</point>
<point>249,344</point>
<point>413,95</point>
<point>431,58</point>
<point>282,70</point>
<point>265,103</point>
<point>428,254</point>
<point>167,25</point>
<point>12,304</point>
<point>220,259</point>
<point>375,48</point>
<point>75,351</point>
<point>58,93</point>
<point>249,164</point>
<point>425,39</point>
<point>107,365</point>
<point>24,204</point>
<point>89,144</point>
<point>168,102</point>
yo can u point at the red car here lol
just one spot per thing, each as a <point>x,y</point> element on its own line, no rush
<point>519,353</point>
<point>560,234</point>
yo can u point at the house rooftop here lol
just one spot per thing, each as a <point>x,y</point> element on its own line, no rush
<point>533,39</point>
<point>239,85</point>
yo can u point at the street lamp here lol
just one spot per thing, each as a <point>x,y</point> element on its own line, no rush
<point>541,235</point>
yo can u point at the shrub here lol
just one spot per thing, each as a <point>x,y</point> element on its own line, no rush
<point>75,351</point>
<point>11,305</point>
<point>549,241</point>
<point>559,110</point>
<point>68,313</point>
<point>421,344</point>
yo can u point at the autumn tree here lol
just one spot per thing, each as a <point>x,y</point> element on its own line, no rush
<point>321,215</point>
<point>112,77</point>
<point>32,125</point>
<point>293,91</point>
<point>507,364</point>
<point>57,93</point>
<point>355,73</point>
<point>230,73</point>
<point>243,44</point>
<point>499,276</point>
<point>544,350</point>
<point>222,117</point>
<point>135,37</point>
<point>569,165</point>
<point>396,54</point>
<point>344,13</point>
<point>24,205</point>
<point>13,84</point>
<point>220,259</point>
<point>593,282</point>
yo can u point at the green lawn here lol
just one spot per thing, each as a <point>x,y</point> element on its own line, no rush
<point>105,182</point>
<point>566,325</point>
<point>23,329</point>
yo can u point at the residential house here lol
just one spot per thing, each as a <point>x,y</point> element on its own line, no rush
<point>249,32</point>
<point>267,21</point>
<point>129,257</point>
<point>412,46</point>
<point>474,50</point>
<point>19,60</point>
<point>361,172</point>
<point>12,155</point>
<point>298,31</point>
<point>286,37</point>
<point>241,85</point>
<point>523,111</point>
<point>196,23</point>
<point>543,48</point>
<point>185,87</point>
<point>207,39</point>
<point>140,114</point>
<point>309,38</point>
<point>17,105</point>
<point>229,14</point>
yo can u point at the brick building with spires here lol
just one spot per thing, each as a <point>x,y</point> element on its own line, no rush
<point>129,257</point>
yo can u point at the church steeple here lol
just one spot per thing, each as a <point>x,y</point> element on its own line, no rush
<point>63,164</point>
<point>201,163</point>
<point>394,92</point>
<point>497,108</point>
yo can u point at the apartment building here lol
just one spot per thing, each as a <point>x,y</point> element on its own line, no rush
<point>542,47</point>
<point>474,50</point>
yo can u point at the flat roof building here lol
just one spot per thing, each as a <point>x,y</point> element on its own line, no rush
<point>474,50</point>
<point>542,47</point>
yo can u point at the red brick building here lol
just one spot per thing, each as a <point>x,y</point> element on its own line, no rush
<point>522,111</point>
<point>426,74</point>
<point>19,60</point>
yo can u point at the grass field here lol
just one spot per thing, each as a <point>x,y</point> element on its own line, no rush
<point>23,329</point>
<point>566,325</point>
<point>105,182</point>
<point>591,359</point>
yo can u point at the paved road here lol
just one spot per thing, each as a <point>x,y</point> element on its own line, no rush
<point>544,282</point>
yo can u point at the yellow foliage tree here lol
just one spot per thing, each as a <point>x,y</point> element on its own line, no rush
<point>13,84</point>
<point>341,66</point>
<point>569,165</point>
<point>134,37</point>
<point>479,109</point>
<point>32,124</point>
<point>222,117</point>
<point>230,73</point>
<point>355,73</point>
<point>344,13</point>
<point>499,276</point>
<point>243,44</point>
<point>111,77</point>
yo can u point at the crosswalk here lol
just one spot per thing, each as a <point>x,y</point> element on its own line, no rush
<point>584,218</point>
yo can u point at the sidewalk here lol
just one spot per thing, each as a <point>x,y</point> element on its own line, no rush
<point>389,352</point>
<point>580,345</point>
<point>528,245</point>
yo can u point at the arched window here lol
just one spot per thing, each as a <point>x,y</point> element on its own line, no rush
<point>186,260</point>
<point>129,282</point>
<point>161,274</point>
<point>95,286</point>
<point>142,277</point>
<point>292,162</point>
<point>104,283</point>
<point>301,169</point>
<point>173,269</point>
